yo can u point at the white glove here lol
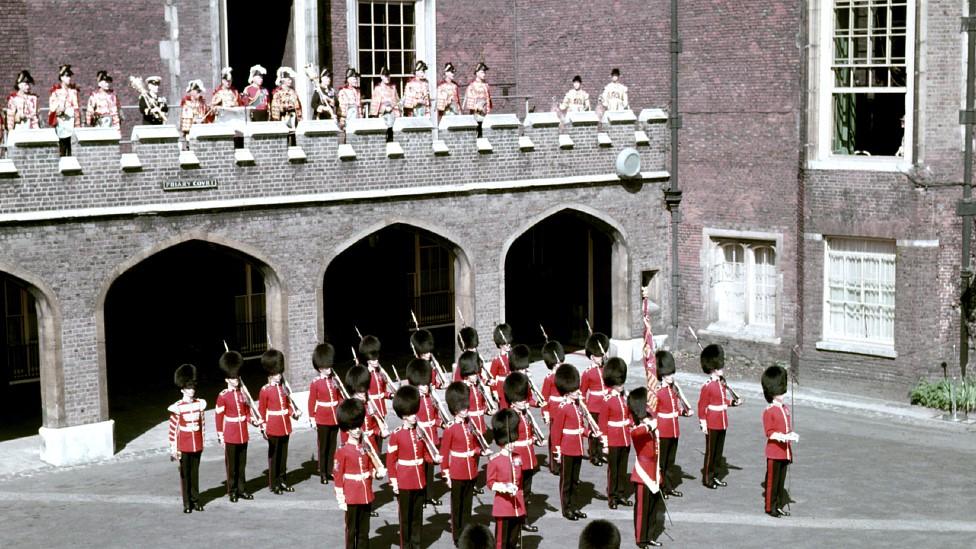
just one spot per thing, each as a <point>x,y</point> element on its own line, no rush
<point>341,499</point>
<point>795,437</point>
<point>704,425</point>
<point>447,480</point>
<point>396,485</point>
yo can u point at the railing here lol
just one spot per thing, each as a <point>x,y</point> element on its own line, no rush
<point>252,337</point>
<point>434,309</point>
<point>24,362</point>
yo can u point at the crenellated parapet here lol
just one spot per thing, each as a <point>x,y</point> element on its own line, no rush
<point>157,175</point>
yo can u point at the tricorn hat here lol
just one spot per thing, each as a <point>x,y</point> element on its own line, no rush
<point>24,76</point>
<point>468,337</point>
<point>325,73</point>
<point>567,379</point>
<point>226,73</point>
<point>774,382</point>
<point>553,353</point>
<point>419,372</point>
<point>481,67</point>
<point>637,403</point>
<point>449,67</point>
<point>518,358</point>
<point>712,358</point>
<point>284,72</point>
<point>256,70</point>
<point>323,356</point>
<point>230,363</point>
<point>351,414</point>
<point>384,71</point>
<point>369,347</point>
<point>577,78</point>
<point>598,344</point>
<point>419,66</point>
<point>422,341</point>
<point>185,376</point>
<point>502,335</point>
<point>65,70</point>
<point>195,85</point>
<point>357,379</point>
<point>504,426</point>
<point>351,72</point>
<point>458,397</point>
<point>406,401</point>
<point>103,76</point>
<point>615,72</point>
<point>273,362</point>
<point>665,363</point>
<point>615,372</point>
<point>516,387</point>
<point>469,363</point>
<point>157,80</point>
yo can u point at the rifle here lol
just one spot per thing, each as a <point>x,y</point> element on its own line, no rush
<point>250,402</point>
<point>544,334</point>
<point>374,457</point>
<point>735,397</point>
<point>442,378</point>
<point>431,449</point>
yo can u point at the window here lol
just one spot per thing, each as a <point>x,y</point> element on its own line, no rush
<point>859,298</point>
<point>743,284</point>
<point>250,313</point>
<point>387,36</point>
<point>20,343</point>
<point>866,78</point>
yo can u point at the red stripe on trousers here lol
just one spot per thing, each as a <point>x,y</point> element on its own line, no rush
<point>639,512</point>
<point>769,485</point>
<point>499,528</point>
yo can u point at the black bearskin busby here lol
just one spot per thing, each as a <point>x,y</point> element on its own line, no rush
<point>273,362</point>
<point>637,404</point>
<point>516,387</point>
<point>567,379</point>
<point>598,534</point>
<point>185,376</point>
<point>774,382</point>
<point>369,347</point>
<point>458,397</point>
<point>518,358</point>
<point>665,363</point>
<point>553,354</point>
<point>422,341</point>
<point>406,401</point>
<point>230,364</point>
<point>351,414</point>
<point>502,335</point>
<point>504,426</point>
<point>470,363</point>
<point>615,372</point>
<point>357,379</point>
<point>468,338</point>
<point>598,344</point>
<point>419,372</point>
<point>323,356</point>
<point>712,358</point>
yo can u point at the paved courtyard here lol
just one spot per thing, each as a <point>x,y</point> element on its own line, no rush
<point>862,478</point>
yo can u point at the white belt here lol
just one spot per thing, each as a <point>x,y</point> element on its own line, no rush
<point>556,399</point>
<point>190,428</point>
<point>357,476</point>
<point>410,462</point>
<point>500,377</point>
<point>527,442</point>
<point>572,431</point>
<point>476,413</point>
<point>426,424</point>
<point>718,407</point>
<point>669,415</point>
<point>598,393</point>
<point>328,404</point>
<point>469,453</point>
<point>376,396</point>
<point>621,423</point>
<point>277,412</point>
<point>235,419</point>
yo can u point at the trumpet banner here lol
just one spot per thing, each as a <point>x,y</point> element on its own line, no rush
<point>650,365</point>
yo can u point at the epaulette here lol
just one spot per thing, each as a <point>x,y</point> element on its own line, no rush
<point>224,391</point>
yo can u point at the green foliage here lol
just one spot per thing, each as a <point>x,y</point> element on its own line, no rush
<point>936,394</point>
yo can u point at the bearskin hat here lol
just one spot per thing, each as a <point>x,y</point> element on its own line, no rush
<point>422,341</point>
<point>480,67</point>
<point>567,379</point>
<point>577,78</point>
<point>598,534</point>
<point>230,363</point>
<point>185,376</point>
<point>406,401</point>
<point>273,362</point>
<point>598,344</point>
<point>65,70</point>
<point>323,356</point>
<point>256,70</point>
<point>227,73</point>
<point>615,372</point>
<point>458,397</point>
<point>475,536</point>
<point>553,353</point>
<point>419,66</point>
<point>419,372</point>
<point>369,347</point>
<point>665,363</point>
<point>518,358</point>
<point>774,382</point>
<point>351,414</point>
<point>195,85</point>
<point>156,80</point>
<point>614,72</point>
<point>103,76</point>
<point>516,387</point>
<point>712,358</point>
<point>468,338</point>
<point>24,76</point>
<point>351,73</point>
<point>637,403</point>
<point>357,379</point>
<point>502,334</point>
<point>469,362</point>
<point>504,426</point>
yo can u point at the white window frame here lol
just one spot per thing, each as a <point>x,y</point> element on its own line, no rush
<point>823,158</point>
<point>713,241</point>
<point>844,343</point>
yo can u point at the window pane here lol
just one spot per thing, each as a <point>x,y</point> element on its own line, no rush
<point>366,63</point>
<point>395,11</point>
<point>868,123</point>
<point>379,13</point>
<point>842,50</point>
<point>379,38</point>
<point>898,17</point>
<point>879,77</point>
<point>842,77</point>
<point>860,18</point>
<point>860,53</point>
<point>898,48</point>
<point>365,13</point>
<point>880,17</point>
<point>365,38</point>
<point>408,14</point>
<point>879,50</point>
<point>842,19</point>
<point>396,40</point>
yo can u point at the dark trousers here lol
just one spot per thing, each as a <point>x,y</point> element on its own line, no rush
<point>277,460</point>
<point>259,116</point>
<point>776,484</point>
<point>568,480</point>
<point>235,461</point>
<point>411,517</point>
<point>64,146</point>
<point>714,444</point>
<point>327,435</point>
<point>357,526</point>
<point>508,532</point>
<point>595,448</point>
<point>648,514</point>
<point>428,480</point>
<point>462,492</point>
<point>527,476</point>
<point>190,478</point>
<point>554,467</point>
<point>617,477</point>
<point>669,451</point>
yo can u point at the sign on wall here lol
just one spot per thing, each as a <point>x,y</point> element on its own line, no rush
<point>191,185</point>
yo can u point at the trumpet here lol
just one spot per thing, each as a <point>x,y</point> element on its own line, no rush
<point>373,456</point>
<point>537,437</point>
<point>431,449</point>
<point>735,397</point>
<point>588,417</point>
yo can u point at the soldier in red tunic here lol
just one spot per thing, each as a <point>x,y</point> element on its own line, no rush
<point>502,336</point>
<point>778,425</point>
<point>568,430</point>
<point>646,476</point>
<point>552,355</point>
<point>467,339</point>
<point>381,387</point>
<point>429,417</point>
<point>193,108</point>
<point>350,99</point>
<point>21,109</point>
<point>615,424</point>
<point>422,342</point>
<point>186,435</point>
<point>416,93</point>
<point>64,109</point>
<point>357,383</point>
<point>255,96</point>
<point>408,451</point>
<point>355,471</point>
<point>593,388</point>
<point>104,110</point>
<point>505,479</point>
<point>276,410</point>
<point>523,445</point>
<point>669,406</point>
<point>448,94</point>
<point>226,95</point>
<point>462,451</point>
<point>323,399</point>
<point>233,413</point>
<point>713,415</point>
<point>477,97</point>
<point>468,368</point>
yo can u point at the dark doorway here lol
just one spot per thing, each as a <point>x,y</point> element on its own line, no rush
<point>377,282</point>
<point>557,274</point>
<point>20,372</point>
<point>180,306</point>
<point>257,34</point>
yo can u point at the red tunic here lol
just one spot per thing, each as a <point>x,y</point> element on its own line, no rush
<point>615,421</point>
<point>667,412</point>
<point>186,425</point>
<point>461,451</point>
<point>568,430</point>
<point>66,99</point>
<point>777,419</point>
<point>405,458</point>
<point>378,392</point>
<point>592,387</point>
<point>353,473</point>
<point>384,100</point>
<point>232,416</point>
<point>477,98</point>
<point>523,447</point>
<point>448,98</point>
<point>255,97</point>
<point>503,469</point>
<point>499,370</point>
<point>275,410</point>
<point>552,396</point>
<point>713,404</point>
<point>323,399</point>
<point>477,407</point>
<point>645,466</point>
<point>428,419</point>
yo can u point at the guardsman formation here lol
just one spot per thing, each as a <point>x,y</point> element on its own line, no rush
<point>589,415</point>
<point>257,104</point>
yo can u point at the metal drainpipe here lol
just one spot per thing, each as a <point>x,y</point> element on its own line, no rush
<point>968,118</point>
<point>672,196</point>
